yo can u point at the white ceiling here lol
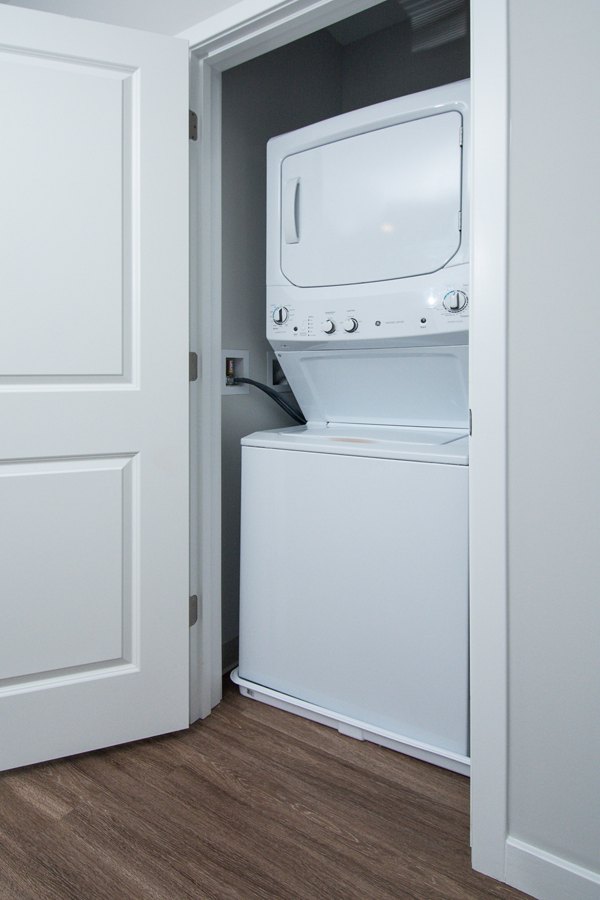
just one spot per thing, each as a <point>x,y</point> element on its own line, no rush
<point>164,16</point>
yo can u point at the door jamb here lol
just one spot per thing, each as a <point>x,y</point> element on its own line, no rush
<point>488,569</point>
<point>205,412</point>
<point>249,29</point>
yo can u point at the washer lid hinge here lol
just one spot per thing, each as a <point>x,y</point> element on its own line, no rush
<point>193,127</point>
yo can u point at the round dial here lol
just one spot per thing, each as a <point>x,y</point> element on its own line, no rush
<point>350,325</point>
<point>328,326</point>
<point>280,315</point>
<point>455,301</point>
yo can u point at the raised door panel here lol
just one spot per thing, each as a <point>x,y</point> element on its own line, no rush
<point>65,232</point>
<point>72,606</point>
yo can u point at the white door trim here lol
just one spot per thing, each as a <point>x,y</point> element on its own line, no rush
<point>205,326</point>
<point>247,30</point>
<point>253,27</point>
<point>488,456</point>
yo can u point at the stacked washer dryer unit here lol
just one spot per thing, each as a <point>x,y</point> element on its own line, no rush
<point>354,571</point>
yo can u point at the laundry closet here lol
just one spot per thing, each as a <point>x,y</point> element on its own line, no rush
<point>95,386</point>
<point>389,51</point>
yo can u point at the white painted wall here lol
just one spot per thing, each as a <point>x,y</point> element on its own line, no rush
<point>554,435</point>
<point>166,16</point>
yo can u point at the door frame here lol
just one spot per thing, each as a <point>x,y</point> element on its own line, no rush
<point>242,32</point>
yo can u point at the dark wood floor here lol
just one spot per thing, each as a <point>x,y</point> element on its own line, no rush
<point>251,803</point>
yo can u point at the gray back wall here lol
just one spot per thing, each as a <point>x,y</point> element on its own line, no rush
<point>384,65</point>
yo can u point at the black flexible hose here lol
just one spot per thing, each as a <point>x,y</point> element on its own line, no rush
<point>287,407</point>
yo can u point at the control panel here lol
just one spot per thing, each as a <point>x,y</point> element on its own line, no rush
<point>438,305</point>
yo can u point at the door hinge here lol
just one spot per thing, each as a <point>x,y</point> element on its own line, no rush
<point>193,366</point>
<point>193,609</point>
<point>470,421</point>
<point>193,126</point>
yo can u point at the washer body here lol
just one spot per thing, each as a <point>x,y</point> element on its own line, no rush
<point>354,576</point>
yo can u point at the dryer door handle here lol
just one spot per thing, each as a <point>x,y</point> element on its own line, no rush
<point>291,211</point>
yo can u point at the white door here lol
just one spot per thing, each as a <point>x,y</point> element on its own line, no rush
<point>93,386</point>
<point>380,205</point>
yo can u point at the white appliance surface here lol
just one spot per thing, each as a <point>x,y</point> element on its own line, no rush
<point>440,445</point>
<point>354,541</point>
<point>375,206</point>
<point>368,224</point>
<point>354,591</point>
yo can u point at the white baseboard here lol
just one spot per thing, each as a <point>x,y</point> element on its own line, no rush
<point>546,876</point>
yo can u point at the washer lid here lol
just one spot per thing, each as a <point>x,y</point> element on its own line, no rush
<point>407,386</point>
<point>379,205</point>
<point>440,445</point>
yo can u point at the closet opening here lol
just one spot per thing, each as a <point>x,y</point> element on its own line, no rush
<point>392,49</point>
<point>436,49</point>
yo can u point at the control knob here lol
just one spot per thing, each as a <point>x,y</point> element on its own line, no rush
<point>280,315</point>
<point>351,325</point>
<point>328,326</point>
<point>455,301</point>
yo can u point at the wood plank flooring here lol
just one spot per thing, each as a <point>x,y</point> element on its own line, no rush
<point>251,803</point>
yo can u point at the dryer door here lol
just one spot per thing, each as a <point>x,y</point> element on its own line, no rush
<point>380,205</point>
